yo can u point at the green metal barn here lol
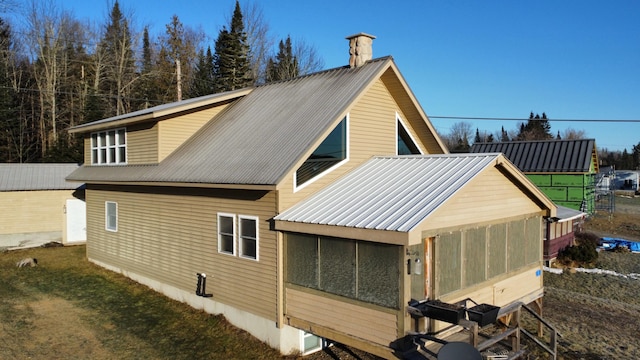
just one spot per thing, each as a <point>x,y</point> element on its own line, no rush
<point>565,170</point>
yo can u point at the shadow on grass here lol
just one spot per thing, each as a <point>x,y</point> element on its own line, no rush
<point>121,309</point>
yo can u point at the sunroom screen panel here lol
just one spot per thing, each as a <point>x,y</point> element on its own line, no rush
<point>379,273</point>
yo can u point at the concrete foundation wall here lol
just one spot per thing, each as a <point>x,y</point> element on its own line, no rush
<point>286,339</point>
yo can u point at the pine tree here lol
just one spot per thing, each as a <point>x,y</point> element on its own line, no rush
<point>477,139</point>
<point>145,91</point>
<point>203,77</point>
<point>120,69</point>
<point>8,120</point>
<point>504,136</point>
<point>285,65</point>
<point>232,66</point>
<point>536,128</point>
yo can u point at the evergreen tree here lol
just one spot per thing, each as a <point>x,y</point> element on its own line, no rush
<point>120,65</point>
<point>536,128</point>
<point>232,67</point>
<point>9,125</point>
<point>285,65</point>
<point>477,139</point>
<point>204,77</point>
<point>504,136</point>
<point>145,91</point>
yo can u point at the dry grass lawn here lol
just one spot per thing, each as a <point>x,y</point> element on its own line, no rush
<point>68,308</point>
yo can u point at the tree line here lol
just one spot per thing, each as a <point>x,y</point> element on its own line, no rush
<point>59,71</point>
<point>461,137</point>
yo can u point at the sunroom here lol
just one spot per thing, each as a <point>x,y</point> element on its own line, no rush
<point>403,227</point>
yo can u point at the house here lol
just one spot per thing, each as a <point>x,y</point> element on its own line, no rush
<point>310,208</point>
<point>560,231</point>
<point>626,180</point>
<point>565,170</point>
<point>39,206</point>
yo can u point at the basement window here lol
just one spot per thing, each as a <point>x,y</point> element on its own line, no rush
<point>311,343</point>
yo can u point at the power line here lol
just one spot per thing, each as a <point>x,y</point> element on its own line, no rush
<point>527,119</point>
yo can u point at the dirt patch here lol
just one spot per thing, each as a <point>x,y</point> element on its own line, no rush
<point>56,331</point>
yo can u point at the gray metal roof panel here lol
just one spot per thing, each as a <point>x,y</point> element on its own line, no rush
<point>261,136</point>
<point>393,193</point>
<point>160,108</point>
<point>566,214</point>
<point>30,177</point>
<point>544,155</point>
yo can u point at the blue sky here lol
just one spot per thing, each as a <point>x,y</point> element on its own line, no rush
<point>573,59</point>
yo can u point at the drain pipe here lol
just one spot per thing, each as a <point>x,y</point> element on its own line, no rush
<point>202,285</point>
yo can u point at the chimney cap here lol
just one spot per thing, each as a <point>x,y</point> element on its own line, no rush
<point>359,35</point>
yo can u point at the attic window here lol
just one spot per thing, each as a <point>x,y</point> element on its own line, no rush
<point>109,147</point>
<point>406,144</point>
<point>329,154</point>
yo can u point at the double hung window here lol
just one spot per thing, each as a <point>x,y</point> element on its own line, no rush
<point>238,235</point>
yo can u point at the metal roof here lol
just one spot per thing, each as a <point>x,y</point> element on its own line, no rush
<point>258,139</point>
<point>393,193</point>
<point>164,109</point>
<point>544,155</point>
<point>565,214</point>
<point>25,177</point>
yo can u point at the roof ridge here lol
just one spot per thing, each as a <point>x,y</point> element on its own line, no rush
<point>531,141</point>
<point>320,72</point>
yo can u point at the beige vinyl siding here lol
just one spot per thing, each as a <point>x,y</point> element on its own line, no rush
<point>362,321</point>
<point>33,211</point>
<point>175,131</point>
<point>372,129</point>
<point>410,113</point>
<point>142,144</point>
<point>169,235</point>
<point>504,290</point>
<point>490,196</point>
<point>87,149</point>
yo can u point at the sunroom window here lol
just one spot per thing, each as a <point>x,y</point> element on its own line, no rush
<point>330,153</point>
<point>406,145</point>
<point>109,147</point>
<point>358,270</point>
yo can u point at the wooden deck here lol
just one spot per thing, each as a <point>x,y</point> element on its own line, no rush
<point>499,341</point>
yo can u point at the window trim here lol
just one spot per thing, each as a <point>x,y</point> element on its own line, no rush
<point>233,234</point>
<point>400,122</point>
<point>99,143</point>
<point>241,238</point>
<point>106,216</point>
<point>297,187</point>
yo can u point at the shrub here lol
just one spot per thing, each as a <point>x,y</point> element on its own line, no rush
<point>583,253</point>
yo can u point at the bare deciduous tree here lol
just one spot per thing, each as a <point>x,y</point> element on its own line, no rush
<point>573,134</point>
<point>457,140</point>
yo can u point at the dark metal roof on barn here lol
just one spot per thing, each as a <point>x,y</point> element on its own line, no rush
<point>33,177</point>
<point>258,139</point>
<point>545,156</point>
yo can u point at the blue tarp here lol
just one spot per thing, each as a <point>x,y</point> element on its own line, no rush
<point>609,243</point>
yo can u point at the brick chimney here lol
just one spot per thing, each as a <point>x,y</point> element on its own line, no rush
<point>360,50</point>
